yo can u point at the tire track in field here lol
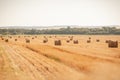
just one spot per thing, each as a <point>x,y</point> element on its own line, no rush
<point>40,65</point>
<point>1,59</point>
<point>2,63</point>
<point>23,65</point>
<point>7,70</point>
<point>65,58</point>
<point>63,72</point>
<point>51,68</point>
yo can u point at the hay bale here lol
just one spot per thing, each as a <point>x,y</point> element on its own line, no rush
<point>97,40</point>
<point>107,41</point>
<point>2,38</point>
<point>71,38</point>
<point>35,36</point>
<point>57,42</point>
<point>50,36</point>
<point>45,41</point>
<point>18,36</point>
<point>89,37</point>
<point>15,39</point>
<point>113,44</point>
<point>27,41</point>
<point>88,41</point>
<point>6,40</point>
<point>67,41</point>
<point>10,37</point>
<point>44,36</point>
<point>75,41</point>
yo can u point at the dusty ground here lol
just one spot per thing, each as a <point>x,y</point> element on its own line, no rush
<point>45,61</point>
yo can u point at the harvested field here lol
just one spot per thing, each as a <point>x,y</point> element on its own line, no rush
<point>69,61</point>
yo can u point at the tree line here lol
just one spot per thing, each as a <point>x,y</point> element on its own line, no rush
<point>68,30</point>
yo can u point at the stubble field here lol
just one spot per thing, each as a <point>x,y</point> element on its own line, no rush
<point>38,60</point>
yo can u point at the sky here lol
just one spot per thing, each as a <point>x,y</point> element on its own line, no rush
<point>59,12</point>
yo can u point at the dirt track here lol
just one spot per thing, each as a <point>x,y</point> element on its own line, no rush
<point>39,61</point>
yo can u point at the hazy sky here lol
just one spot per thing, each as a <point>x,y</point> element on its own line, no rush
<point>59,12</point>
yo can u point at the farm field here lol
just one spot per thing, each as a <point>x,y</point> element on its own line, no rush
<point>74,57</point>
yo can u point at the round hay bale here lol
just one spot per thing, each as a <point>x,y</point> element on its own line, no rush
<point>35,36</point>
<point>27,41</point>
<point>107,41</point>
<point>67,41</point>
<point>2,38</point>
<point>57,42</point>
<point>6,40</point>
<point>97,40</point>
<point>88,41</point>
<point>10,37</point>
<point>75,41</point>
<point>15,39</point>
<point>45,41</point>
<point>89,37</point>
<point>113,44</point>
<point>50,36</point>
<point>18,36</point>
<point>44,36</point>
<point>71,38</point>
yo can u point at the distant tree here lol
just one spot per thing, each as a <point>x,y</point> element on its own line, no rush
<point>68,30</point>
